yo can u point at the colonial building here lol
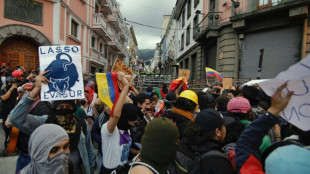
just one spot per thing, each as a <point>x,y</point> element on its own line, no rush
<point>235,34</point>
<point>95,25</point>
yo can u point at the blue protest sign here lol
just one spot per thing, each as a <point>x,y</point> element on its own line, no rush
<point>65,76</point>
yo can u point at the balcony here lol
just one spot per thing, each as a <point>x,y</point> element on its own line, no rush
<point>102,2</point>
<point>107,8</point>
<point>114,21</point>
<point>122,54</point>
<point>209,25</point>
<point>115,45</point>
<point>264,6</point>
<point>109,34</point>
<point>99,24</point>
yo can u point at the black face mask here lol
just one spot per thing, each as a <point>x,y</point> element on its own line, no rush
<point>123,125</point>
<point>83,102</point>
<point>147,109</point>
<point>64,111</point>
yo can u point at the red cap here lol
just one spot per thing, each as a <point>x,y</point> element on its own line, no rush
<point>3,64</point>
<point>238,105</point>
<point>17,73</point>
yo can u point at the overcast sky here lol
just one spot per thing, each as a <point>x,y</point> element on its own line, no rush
<point>149,12</point>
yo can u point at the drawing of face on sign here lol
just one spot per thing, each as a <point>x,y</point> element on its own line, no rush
<point>63,74</point>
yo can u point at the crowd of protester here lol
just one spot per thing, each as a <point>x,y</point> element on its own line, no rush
<point>161,131</point>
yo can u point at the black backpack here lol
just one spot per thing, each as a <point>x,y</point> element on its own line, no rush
<point>190,164</point>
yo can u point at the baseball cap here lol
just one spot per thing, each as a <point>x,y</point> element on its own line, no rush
<point>238,105</point>
<point>209,119</point>
<point>17,73</point>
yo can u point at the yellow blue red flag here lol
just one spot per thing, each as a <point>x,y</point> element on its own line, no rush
<point>108,89</point>
<point>212,73</point>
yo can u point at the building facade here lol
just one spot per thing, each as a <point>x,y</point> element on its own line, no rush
<point>187,49</point>
<point>235,34</point>
<point>133,49</point>
<point>95,25</point>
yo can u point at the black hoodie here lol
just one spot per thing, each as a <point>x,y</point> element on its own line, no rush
<point>210,165</point>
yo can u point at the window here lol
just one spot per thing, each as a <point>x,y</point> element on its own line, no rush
<point>93,42</point>
<point>74,28</point>
<point>186,63</point>
<point>182,41</point>
<point>267,3</point>
<point>196,2</point>
<point>189,9</point>
<point>100,47</point>
<point>188,34</point>
<point>183,18</point>
<point>93,70</point>
<point>195,25</point>
<point>181,65</point>
<point>193,68</point>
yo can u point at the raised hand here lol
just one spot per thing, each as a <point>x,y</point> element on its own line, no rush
<point>278,103</point>
<point>121,78</point>
<point>41,79</point>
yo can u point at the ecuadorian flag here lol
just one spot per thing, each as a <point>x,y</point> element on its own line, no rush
<point>212,73</point>
<point>108,89</point>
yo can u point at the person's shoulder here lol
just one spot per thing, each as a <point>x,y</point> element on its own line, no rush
<point>140,169</point>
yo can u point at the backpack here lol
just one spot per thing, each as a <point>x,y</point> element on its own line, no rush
<point>229,151</point>
<point>189,163</point>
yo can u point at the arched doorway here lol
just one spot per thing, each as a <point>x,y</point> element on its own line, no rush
<point>20,50</point>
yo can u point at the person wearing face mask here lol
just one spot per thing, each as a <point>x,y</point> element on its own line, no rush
<point>81,150</point>
<point>49,151</point>
<point>116,141</point>
<point>8,95</point>
<point>160,144</point>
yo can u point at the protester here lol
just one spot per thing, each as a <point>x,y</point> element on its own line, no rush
<point>19,76</point>
<point>203,140</point>
<point>182,112</point>
<point>39,108</point>
<point>240,109</point>
<point>8,95</point>
<point>155,96</point>
<point>160,144</point>
<point>165,107</point>
<point>149,90</point>
<point>49,151</point>
<point>221,104</point>
<point>142,103</point>
<point>248,156</point>
<point>216,92</point>
<point>81,150</point>
<point>103,117</point>
<point>116,141</point>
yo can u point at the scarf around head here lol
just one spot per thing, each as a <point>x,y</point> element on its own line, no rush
<point>159,144</point>
<point>41,141</point>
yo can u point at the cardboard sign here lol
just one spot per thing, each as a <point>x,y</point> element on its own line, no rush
<point>227,83</point>
<point>184,73</point>
<point>119,65</point>
<point>65,76</point>
<point>298,80</point>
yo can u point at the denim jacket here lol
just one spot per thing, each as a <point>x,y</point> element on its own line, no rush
<point>27,123</point>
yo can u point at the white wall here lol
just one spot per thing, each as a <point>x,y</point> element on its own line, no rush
<point>188,21</point>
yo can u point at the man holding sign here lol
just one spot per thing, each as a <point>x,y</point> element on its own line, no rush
<point>61,82</point>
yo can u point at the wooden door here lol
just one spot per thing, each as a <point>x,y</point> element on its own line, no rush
<point>20,51</point>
